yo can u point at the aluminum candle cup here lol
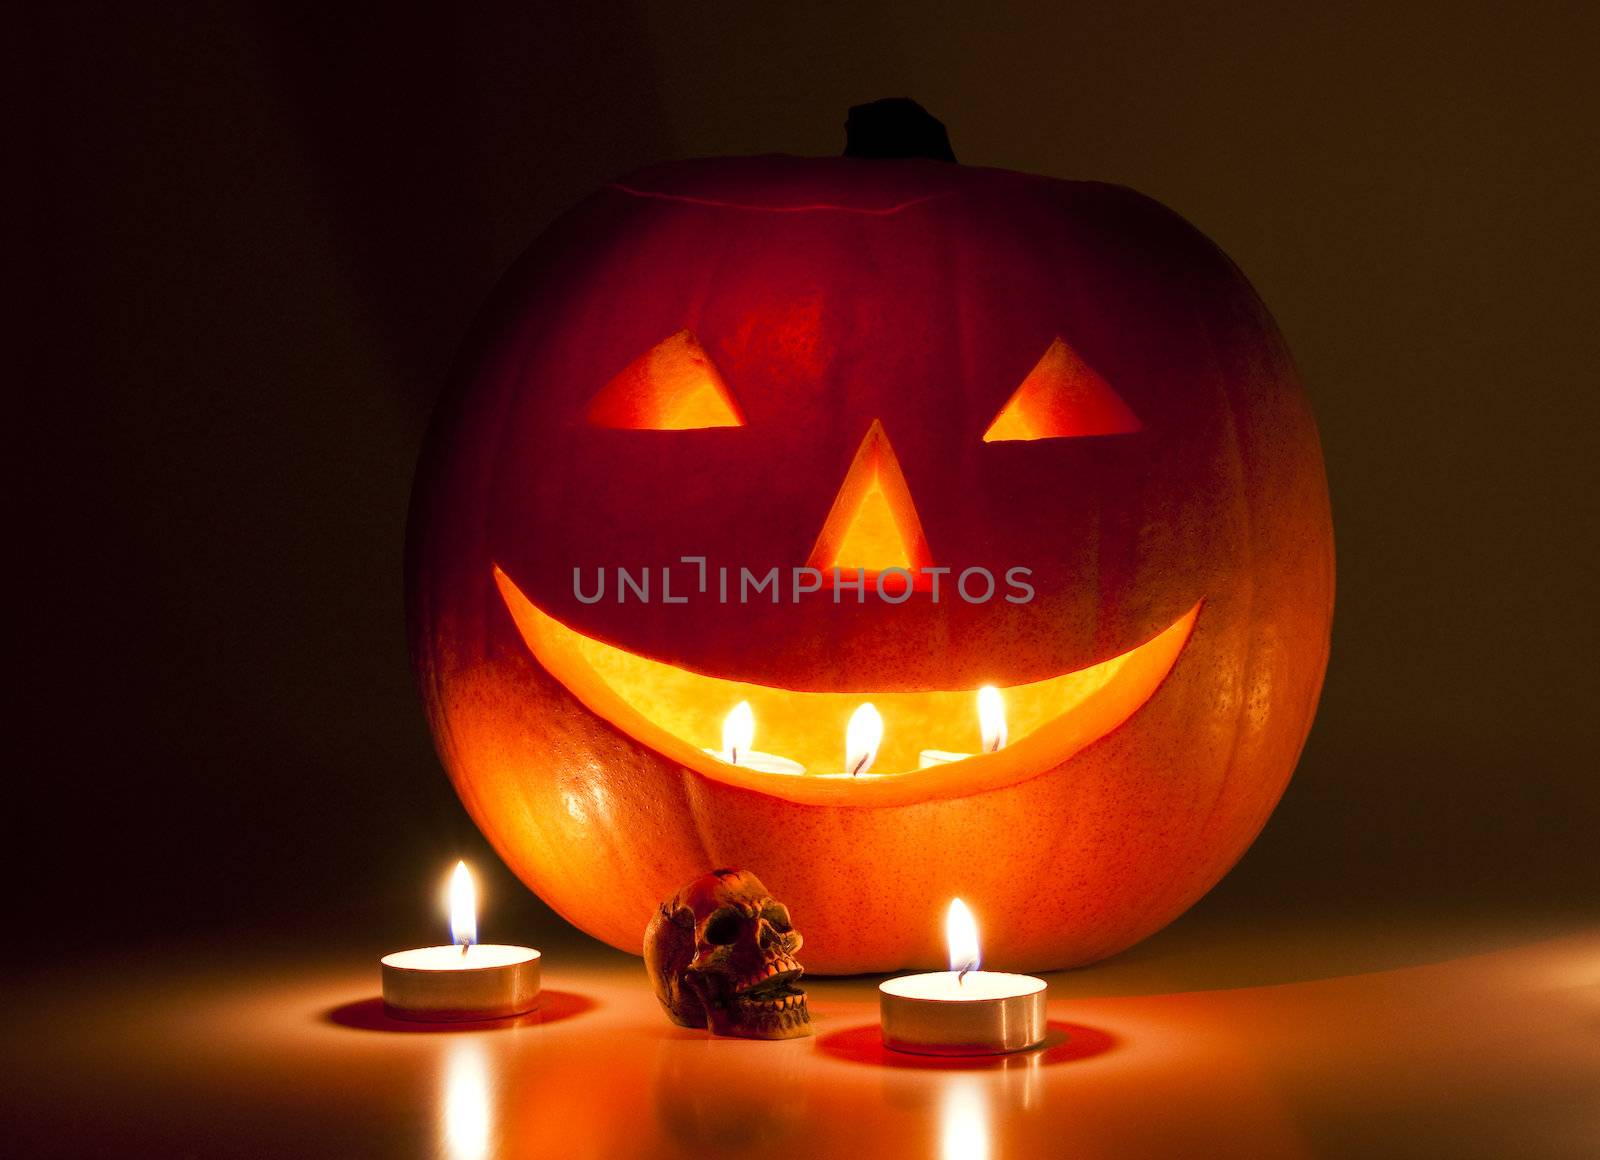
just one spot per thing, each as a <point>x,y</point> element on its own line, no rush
<point>983,1013</point>
<point>440,984</point>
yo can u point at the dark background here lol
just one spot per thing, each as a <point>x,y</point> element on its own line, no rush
<point>254,237</point>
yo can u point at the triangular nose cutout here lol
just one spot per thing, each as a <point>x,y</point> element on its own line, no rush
<point>873,524</point>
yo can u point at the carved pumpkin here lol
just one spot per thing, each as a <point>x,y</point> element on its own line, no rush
<point>919,373</point>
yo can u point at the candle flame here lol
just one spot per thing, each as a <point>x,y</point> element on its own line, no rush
<point>861,739</point>
<point>961,936</point>
<point>992,718</point>
<point>463,907</point>
<point>738,732</point>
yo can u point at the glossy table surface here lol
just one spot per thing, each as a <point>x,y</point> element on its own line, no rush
<point>1355,1040</point>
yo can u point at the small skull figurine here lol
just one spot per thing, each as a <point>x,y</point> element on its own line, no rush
<point>720,953</point>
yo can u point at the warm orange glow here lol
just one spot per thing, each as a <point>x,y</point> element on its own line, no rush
<point>672,387</point>
<point>872,540</point>
<point>1062,396</point>
<point>991,718</point>
<point>873,523</point>
<point>463,906</point>
<point>961,937</point>
<point>669,709</point>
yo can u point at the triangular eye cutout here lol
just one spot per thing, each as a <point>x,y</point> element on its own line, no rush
<point>673,386</point>
<point>873,524</point>
<point>1061,397</point>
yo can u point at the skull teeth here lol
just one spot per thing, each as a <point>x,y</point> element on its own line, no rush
<point>787,968</point>
<point>781,1002</point>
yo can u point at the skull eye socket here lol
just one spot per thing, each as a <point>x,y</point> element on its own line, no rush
<point>723,929</point>
<point>777,916</point>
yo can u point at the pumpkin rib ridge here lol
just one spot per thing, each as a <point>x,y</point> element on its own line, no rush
<point>1242,483</point>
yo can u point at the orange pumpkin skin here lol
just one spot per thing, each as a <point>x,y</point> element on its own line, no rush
<point>831,293</point>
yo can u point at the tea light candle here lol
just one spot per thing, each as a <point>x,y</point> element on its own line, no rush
<point>739,734</point>
<point>963,1011</point>
<point>465,981</point>
<point>991,729</point>
<point>862,736</point>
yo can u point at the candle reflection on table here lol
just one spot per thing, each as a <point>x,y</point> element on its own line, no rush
<point>295,1058</point>
<point>464,1118</point>
<point>964,1119</point>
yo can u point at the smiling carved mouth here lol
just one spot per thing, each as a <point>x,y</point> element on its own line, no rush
<point>679,713</point>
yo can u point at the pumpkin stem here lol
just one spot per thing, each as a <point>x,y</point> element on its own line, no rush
<point>895,127</point>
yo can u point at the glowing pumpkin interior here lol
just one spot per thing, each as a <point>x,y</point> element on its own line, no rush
<point>679,713</point>
<point>672,387</point>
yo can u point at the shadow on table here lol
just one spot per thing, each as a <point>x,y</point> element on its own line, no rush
<point>1064,1043</point>
<point>369,1015</point>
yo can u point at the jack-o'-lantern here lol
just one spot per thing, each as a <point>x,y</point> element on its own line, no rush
<point>765,441</point>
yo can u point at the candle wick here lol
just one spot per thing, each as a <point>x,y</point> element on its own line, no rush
<point>465,943</point>
<point>962,977</point>
<point>861,763</point>
<point>733,756</point>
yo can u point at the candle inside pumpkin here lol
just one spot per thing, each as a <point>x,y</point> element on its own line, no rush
<point>991,730</point>
<point>738,744</point>
<point>862,738</point>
